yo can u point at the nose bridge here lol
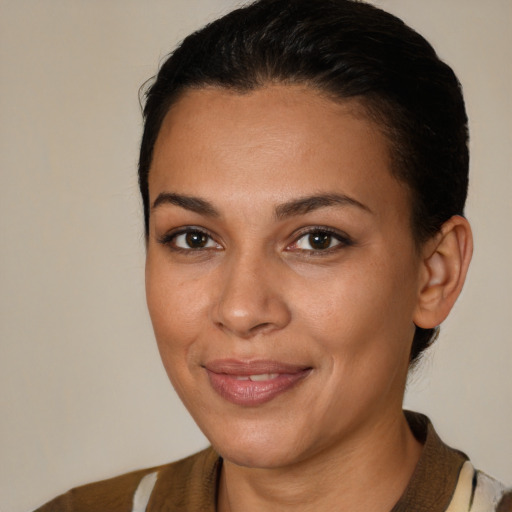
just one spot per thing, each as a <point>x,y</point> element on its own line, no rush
<point>251,299</point>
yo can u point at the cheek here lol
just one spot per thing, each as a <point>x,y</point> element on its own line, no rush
<point>175,309</point>
<point>176,306</point>
<point>364,331</point>
<point>361,309</point>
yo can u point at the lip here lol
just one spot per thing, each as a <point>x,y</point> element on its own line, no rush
<point>230,379</point>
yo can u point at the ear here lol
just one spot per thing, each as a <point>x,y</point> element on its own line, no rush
<point>445,264</point>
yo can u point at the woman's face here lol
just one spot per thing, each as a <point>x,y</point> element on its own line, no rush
<point>282,276</point>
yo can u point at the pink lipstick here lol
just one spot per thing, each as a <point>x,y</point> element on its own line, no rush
<point>255,382</point>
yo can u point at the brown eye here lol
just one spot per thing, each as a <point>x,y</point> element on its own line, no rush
<point>319,241</point>
<point>190,240</point>
<point>196,239</point>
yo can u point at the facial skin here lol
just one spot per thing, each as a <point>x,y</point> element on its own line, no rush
<point>258,292</point>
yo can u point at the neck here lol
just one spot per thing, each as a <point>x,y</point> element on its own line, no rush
<point>382,460</point>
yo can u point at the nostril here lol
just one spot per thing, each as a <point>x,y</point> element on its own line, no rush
<point>247,331</point>
<point>263,327</point>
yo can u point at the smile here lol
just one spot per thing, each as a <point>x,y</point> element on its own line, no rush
<point>258,378</point>
<point>253,383</point>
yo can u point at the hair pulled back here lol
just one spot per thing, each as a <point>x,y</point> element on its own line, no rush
<point>345,49</point>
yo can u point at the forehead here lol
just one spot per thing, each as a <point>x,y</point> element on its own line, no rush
<point>279,137</point>
<point>263,111</point>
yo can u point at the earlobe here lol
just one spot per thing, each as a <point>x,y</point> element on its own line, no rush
<point>445,264</point>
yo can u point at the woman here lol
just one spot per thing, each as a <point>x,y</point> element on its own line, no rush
<point>303,172</point>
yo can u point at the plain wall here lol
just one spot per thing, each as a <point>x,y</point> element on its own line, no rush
<point>83,395</point>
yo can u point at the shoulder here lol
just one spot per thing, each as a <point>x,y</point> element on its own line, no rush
<point>478,492</point>
<point>133,491</point>
<point>446,481</point>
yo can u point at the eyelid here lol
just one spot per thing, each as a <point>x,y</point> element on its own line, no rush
<point>344,239</point>
<point>168,238</point>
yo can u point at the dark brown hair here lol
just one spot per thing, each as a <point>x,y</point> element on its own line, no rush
<point>346,49</point>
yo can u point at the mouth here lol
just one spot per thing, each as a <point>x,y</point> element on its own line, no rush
<point>255,382</point>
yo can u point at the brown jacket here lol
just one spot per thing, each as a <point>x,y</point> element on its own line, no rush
<point>443,481</point>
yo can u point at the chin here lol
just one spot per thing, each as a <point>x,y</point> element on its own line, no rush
<point>255,456</point>
<point>256,445</point>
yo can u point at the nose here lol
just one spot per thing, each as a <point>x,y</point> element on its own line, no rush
<point>252,298</point>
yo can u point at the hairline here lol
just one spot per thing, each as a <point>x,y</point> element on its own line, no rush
<point>369,106</point>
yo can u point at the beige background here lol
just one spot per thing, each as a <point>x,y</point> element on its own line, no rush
<point>82,392</point>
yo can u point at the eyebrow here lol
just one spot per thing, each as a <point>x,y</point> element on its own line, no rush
<point>291,208</point>
<point>194,204</point>
<point>311,203</point>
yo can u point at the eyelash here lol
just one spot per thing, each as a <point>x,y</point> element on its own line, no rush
<point>343,240</point>
<point>169,240</point>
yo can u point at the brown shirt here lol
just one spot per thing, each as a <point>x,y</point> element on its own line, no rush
<point>190,485</point>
